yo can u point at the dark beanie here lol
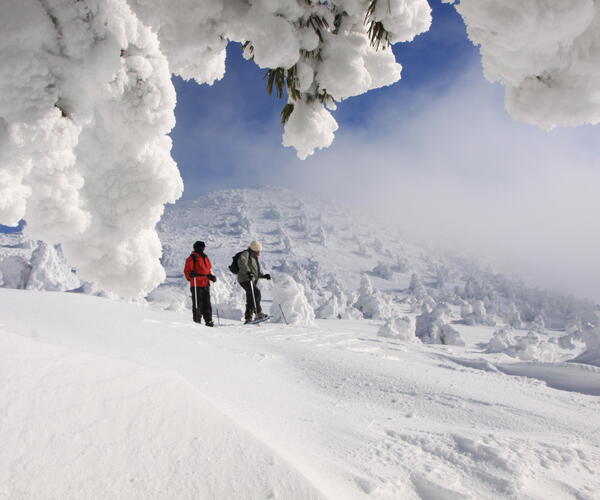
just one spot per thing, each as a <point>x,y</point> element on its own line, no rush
<point>199,246</point>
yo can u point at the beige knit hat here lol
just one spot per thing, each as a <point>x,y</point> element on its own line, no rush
<point>256,246</point>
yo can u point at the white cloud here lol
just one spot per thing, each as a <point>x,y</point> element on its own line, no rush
<point>458,172</point>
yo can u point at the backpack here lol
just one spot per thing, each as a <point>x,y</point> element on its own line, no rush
<point>234,267</point>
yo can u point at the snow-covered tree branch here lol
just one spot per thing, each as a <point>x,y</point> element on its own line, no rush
<point>544,52</point>
<point>86,100</point>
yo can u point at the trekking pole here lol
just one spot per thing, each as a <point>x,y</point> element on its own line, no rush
<point>253,297</point>
<point>195,300</point>
<point>218,318</point>
<point>280,308</point>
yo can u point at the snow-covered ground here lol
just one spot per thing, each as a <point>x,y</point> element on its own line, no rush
<point>405,373</point>
<point>107,399</point>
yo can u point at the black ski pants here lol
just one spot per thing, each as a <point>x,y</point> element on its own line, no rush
<point>247,286</point>
<point>203,307</point>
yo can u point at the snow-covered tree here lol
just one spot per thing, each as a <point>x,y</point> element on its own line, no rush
<point>86,104</point>
<point>50,271</point>
<point>544,52</point>
<point>399,327</point>
<point>371,302</point>
<point>290,303</point>
<point>528,347</point>
<point>383,270</point>
<point>434,327</point>
<point>86,99</point>
<point>538,324</point>
<point>416,288</point>
<point>338,304</point>
<point>226,297</point>
<point>475,313</point>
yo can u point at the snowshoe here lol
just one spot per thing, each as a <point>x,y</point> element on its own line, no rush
<point>260,318</point>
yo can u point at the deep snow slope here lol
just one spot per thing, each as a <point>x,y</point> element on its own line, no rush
<point>105,399</point>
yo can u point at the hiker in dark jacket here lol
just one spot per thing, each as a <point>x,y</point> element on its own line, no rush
<point>249,273</point>
<point>198,271</point>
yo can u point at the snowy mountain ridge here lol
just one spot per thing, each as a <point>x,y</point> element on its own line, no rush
<point>343,267</point>
<point>329,250</point>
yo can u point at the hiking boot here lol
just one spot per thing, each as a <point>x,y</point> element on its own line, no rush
<point>261,315</point>
<point>246,321</point>
<point>210,323</point>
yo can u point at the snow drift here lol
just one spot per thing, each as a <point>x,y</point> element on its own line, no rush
<point>147,404</point>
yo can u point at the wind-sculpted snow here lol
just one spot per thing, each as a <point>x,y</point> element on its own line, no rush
<point>147,404</point>
<point>544,52</point>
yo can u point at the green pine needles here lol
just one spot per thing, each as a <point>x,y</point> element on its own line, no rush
<point>284,81</point>
<point>378,35</point>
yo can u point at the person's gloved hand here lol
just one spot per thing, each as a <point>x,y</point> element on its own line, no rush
<point>251,276</point>
<point>267,276</point>
<point>194,274</point>
<point>212,277</point>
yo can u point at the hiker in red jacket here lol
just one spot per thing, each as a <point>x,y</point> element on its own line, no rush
<point>198,271</point>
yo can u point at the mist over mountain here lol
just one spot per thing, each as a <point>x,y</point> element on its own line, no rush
<point>328,248</point>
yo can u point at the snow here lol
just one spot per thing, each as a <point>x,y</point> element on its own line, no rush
<point>87,103</point>
<point>389,397</point>
<point>34,265</point>
<point>404,19</point>
<point>102,427</point>
<point>309,127</point>
<point>349,267</point>
<point>531,346</point>
<point>86,107</point>
<point>142,403</point>
<point>401,328</point>
<point>318,245</point>
<point>50,271</point>
<point>591,355</point>
<point>544,54</point>
<point>371,302</point>
<point>434,327</point>
<point>291,306</point>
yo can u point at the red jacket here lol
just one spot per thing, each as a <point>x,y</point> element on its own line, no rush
<point>202,265</point>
